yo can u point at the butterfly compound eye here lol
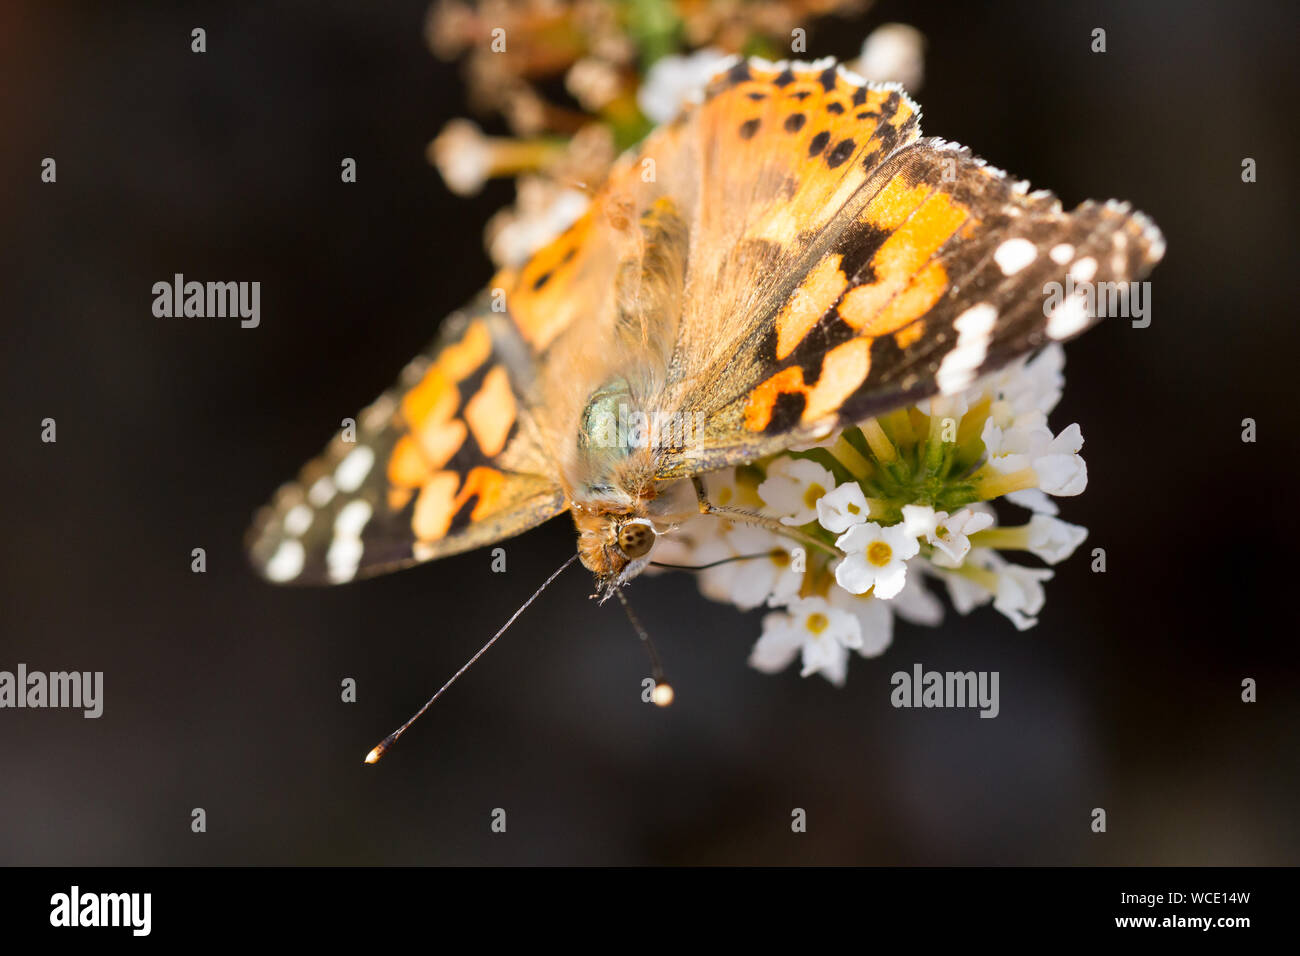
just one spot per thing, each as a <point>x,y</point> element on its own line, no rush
<point>636,538</point>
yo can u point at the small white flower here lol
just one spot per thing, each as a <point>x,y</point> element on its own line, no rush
<point>947,534</point>
<point>824,634</point>
<point>921,520</point>
<point>876,558</point>
<point>463,156</point>
<point>1032,499</point>
<point>674,80</point>
<point>1029,443</point>
<point>1037,384</point>
<point>1060,470</point>
<point>792,488</point>
<point>679,545</point>
<point>842,508</point>
<point>766,575</point>
<point>951,537</point>
<point>950,406</point>
<point>1023,388</point>
<point>724,490</point>
<point>966,595</point>
<point>893,51</point>
<point>716,583</point>
<point>759,580</point>
<point>916,603</point>
<point>875,619</point>
<point>1013,446</point>
<point>542,211</point>
<point>1020,593</point>
<point>594,83</point>
<point>1054,540</point>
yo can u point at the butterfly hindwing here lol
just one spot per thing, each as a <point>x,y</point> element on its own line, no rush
<point>444,461</point>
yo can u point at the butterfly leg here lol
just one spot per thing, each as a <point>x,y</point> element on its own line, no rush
<point>763,521</point>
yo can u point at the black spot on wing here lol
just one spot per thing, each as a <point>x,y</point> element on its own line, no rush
<point>887,136</point>
<point>829,332</point>
<point>786,411</point>
<point>818,143</point>
<point>836,108</point>
<point>858,245</point>
<point>786,77</point>
<point>461,518</point>
<point>878,393</point>
<point>740,73</point>
<point>840,154</point>
<point>859,96</point>
<point>471,383</point>
<point>541,280</point>
<point>827,78</point>
<point>748,129</point>
<point>794,122</point>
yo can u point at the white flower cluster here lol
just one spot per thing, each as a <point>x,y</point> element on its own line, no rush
<point>875,510</point>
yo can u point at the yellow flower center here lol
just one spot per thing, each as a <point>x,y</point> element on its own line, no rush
<point>780,558</point>
<point>879,553</point>
<point>814,492</point>
<point>853,509</point>
<point>817,623</point>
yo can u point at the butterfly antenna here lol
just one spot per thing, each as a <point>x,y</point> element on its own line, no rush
<point>711,564</point>
<point>663,695</point>
<point>382,747</point>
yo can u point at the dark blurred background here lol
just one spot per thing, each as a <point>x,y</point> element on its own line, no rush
<point>222,692</point>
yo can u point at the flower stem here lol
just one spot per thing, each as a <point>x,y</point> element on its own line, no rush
<point>879,442</point>
<point>851,459</point>
<point>900,423</point>
<point>1012,537</point>
<point>985,578</point>
<point>991,483</point>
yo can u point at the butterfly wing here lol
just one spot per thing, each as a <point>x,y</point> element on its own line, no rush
<point>786,257</point>
<point>839,266</point>
<point>694,236</point>
<point>446,460</point>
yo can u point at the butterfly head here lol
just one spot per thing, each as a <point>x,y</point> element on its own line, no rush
<point>613,547</point>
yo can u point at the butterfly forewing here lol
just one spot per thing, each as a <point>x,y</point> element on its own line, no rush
<point>444,461</point>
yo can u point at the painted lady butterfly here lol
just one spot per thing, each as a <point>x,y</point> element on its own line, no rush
<point>784,259</point>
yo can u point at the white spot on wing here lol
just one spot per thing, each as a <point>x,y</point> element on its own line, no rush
<point>1084,269</point>
<point>352,470</point>
<point>1014,254</point>
<point>1067,317</point>
<point>286,564</point>
<point>351,519</point>
<point>342,559</point>
<point>322,491</point>
<point>344,555</point>
<point>297,520</point>
<point>974,328</point>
